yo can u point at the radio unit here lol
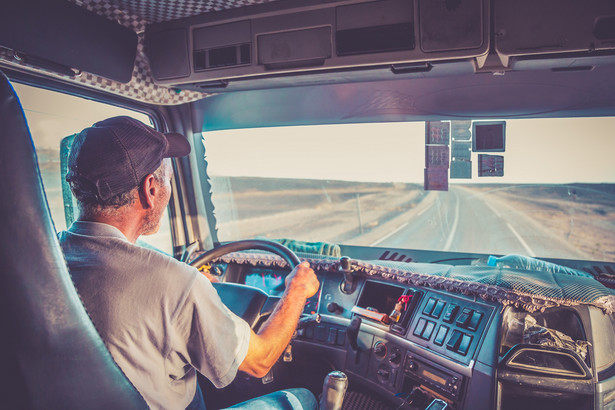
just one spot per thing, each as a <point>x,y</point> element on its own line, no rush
<point>441,381</point>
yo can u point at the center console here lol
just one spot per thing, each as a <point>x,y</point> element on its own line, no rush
<point>416,344</point>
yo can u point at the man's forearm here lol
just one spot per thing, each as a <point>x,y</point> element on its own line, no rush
<point>267,346</point>
<point>279,328</point>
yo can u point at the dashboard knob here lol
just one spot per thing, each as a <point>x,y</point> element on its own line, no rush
<point>380,349</point>
<point>384,373</point>
<point>411,365</point>
<point>334,308</point>
<point>395,357</point>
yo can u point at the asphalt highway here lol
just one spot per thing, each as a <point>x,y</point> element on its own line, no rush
<point>466,220</point>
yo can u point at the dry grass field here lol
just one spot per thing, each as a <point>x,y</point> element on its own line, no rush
<point>583,215</point>
<point>580,215</point>
<point>331,211</point>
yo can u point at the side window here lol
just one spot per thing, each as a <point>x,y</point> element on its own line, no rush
<point>52,116</point>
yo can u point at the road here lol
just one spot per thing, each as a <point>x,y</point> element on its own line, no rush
<point>465,220</point>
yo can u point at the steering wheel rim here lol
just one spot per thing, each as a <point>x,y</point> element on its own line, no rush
<point>261,244</point>
<point>248,302</point>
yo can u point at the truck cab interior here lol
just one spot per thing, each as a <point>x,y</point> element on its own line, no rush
<point>446,167</point>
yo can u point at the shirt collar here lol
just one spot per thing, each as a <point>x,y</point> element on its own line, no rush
<point>96,229</point>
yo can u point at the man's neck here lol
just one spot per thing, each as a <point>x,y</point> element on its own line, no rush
<point>129,226</point>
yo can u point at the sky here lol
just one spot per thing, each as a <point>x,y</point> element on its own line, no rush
<point>53,115</point>
<point>537,150</point>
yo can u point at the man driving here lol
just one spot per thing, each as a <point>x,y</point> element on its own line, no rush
<point>161,319</point>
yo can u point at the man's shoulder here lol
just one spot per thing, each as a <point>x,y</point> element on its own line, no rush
<point>111,253</point>
<point>159,261</point>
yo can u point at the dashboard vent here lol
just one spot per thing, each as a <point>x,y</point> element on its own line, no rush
<point>604,275</point>
<point>395,257</point>
<point>607,269</point>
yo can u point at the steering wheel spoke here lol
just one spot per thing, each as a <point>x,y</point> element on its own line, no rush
<point>248,302</point>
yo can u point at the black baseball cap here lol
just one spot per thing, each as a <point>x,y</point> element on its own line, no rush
<point>113,156</point>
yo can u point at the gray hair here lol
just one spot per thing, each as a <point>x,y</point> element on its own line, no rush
<point>90,204</point>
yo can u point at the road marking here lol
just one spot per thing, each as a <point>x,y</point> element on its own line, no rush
<point>495,211</point>
<point>423,211</point>
<point>387,236</point>
<point>449,241</point>
<point>527,248</point>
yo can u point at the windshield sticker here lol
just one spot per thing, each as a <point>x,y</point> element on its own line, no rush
<point>490,165</point>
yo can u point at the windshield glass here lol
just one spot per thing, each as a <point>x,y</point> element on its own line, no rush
<point>363,184</point>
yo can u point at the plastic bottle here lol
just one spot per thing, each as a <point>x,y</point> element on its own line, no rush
<point>514,261</point>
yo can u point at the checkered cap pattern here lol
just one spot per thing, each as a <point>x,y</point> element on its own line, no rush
<point>136,14</point>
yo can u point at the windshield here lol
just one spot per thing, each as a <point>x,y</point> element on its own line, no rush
<point>364,184</point>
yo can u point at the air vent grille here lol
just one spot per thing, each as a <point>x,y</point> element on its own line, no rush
<point>228,56</point>
<point>395,37</point>
<point>603,274</point>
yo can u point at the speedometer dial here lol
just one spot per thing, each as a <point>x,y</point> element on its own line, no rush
<point>270,281</point>
<point>311,305</point>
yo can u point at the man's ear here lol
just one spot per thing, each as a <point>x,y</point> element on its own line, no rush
<point>149,189</point>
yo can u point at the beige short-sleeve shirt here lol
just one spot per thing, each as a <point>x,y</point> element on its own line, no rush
<point>160,318</point>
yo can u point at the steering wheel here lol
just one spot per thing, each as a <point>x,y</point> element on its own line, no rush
<point>245,301</point>
<point>261,244</point>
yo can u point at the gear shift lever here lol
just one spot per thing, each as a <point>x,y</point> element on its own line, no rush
<point>333,391</point>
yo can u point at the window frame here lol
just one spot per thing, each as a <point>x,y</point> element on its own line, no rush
<point>155,113</point>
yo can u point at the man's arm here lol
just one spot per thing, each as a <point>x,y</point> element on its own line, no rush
<point>266,347</point>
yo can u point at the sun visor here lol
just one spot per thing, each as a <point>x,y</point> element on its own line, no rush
<point>74,39</point>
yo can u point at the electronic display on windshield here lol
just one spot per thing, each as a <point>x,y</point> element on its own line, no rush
<point>489,136</point>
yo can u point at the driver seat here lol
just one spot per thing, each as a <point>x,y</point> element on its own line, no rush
<point>51,354</point>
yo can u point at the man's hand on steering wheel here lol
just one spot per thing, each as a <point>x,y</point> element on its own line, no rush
<point>267,345</point>
<point>303,276</point>
<point>251,303</point>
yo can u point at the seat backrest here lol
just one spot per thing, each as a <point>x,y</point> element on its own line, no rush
<point>50,353</point>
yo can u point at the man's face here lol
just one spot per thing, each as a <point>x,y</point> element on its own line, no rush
<point>152,221</point>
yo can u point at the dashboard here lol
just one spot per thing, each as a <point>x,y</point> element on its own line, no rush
<point>413,344</point>
<point>429,352</point>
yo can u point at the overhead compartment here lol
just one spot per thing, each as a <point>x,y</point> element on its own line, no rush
<point>374,28</point>
<point>527,28</point>
<point>281,39</point>
<point>61,37</point>
<point>309,47</point>
<point>225,45</point>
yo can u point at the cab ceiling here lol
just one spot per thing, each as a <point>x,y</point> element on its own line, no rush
<point>573,84</point>
<point>134,14</point>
